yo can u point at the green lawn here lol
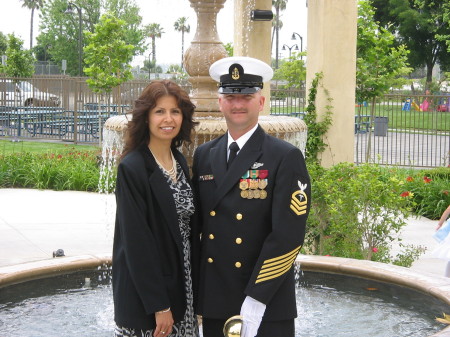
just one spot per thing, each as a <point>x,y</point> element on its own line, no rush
<point>416,120</point>
<point>7,147</point>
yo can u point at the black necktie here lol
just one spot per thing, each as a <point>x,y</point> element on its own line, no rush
<point>234,148</point>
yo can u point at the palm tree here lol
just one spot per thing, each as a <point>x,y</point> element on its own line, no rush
<point>280,5</point>
<point>181,26</point>
<point>154,31</point>
<point>32,4</point>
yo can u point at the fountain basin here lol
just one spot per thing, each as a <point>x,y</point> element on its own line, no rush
<point>428,284</point>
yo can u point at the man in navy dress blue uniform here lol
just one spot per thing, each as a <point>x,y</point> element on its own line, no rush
<point>254,198</point>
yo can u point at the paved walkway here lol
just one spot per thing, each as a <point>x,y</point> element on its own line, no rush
<point>34,224</point>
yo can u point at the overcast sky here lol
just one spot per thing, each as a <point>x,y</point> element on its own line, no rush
<point>14,18</point>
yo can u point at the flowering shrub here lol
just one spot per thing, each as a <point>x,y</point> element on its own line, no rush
<point>429,190</point>
<point>66,170</point>
<point>357,212</point>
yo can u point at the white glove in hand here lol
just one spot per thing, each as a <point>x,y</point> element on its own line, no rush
<point>252,312</point>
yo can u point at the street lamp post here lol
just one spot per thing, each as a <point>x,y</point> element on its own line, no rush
<point>69,10</point>
<point>301,42</point>
<point>290,48</point>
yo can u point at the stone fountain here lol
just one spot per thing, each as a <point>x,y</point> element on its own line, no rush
<point>205,49</point>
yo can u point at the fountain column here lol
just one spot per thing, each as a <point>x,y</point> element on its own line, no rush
<point>205,49</point>
<point>252,38</point>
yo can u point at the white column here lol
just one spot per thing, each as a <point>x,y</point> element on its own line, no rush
<point>332,51</point>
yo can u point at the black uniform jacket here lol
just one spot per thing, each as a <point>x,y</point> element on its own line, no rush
<point>148,268</point>
<point>250,238</point>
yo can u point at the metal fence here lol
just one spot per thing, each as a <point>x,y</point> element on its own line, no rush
<point>401,130</point>
<point>404,130</point>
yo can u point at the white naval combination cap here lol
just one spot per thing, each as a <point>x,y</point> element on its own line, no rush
<point>240,74</point>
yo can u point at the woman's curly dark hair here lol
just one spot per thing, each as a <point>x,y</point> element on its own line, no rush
<point>137,132</point>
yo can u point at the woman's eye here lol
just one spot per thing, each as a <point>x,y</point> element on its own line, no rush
<point>176,111</point>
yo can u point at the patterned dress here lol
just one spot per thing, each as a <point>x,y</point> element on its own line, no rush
<point>183,196</point>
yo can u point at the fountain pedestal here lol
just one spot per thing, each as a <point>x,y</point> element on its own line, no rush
<point>205,49</point>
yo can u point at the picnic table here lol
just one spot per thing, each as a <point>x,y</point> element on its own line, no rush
<point>33,119</point>
<point>362,123</point>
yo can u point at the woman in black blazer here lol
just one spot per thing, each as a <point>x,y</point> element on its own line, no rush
<point>152,282</point>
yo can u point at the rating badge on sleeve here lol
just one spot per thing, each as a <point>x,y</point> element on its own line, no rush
<point>299,200</point>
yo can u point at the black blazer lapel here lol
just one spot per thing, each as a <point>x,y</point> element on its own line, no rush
<point>245,159</point>
<point>164,197</point>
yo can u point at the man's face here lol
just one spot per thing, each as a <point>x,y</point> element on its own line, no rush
<point>241,111</point>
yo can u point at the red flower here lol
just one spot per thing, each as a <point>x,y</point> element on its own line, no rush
<point>59,156</point>
<point>426,180</point>
<point>405,194</point>
<point>445,192</point>
<point>375,249</point>
<point>410,179</point>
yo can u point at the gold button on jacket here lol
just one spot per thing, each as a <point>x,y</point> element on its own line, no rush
<point>238,265</point>
<point>210,260</point>
<point>239,216</point>
<point>212,213</point>
<point>238,241</point>
<point>211,236</point>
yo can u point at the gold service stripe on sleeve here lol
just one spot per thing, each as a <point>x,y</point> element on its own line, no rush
<point>282,256</point>
<point>277,266</point>
<point>267,265</point>
<point>274,276</point>
<point>276,269</point>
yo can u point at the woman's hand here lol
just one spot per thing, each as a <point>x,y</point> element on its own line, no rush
<point>164,324</point>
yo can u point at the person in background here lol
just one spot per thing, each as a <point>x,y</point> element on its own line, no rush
<point>443,250</point>
<point>254,198</point>
<point>151,264</point>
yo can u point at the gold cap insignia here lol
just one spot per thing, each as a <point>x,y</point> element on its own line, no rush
<point>235,74</point>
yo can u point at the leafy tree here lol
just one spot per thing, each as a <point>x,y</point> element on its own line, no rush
<point>154,31</point>
<point>61,30</point>
<point>379,65</point>
<point>446,19</point>
<point>3,43</point>
<point>128,11</point>
<point>418,24</point>
<point>279,5</point>
<point>107,55</point>
<point>229,48</point>
<point>181,26</point>
<point>33,5</point>
<point>20,62</point>
<point>293,71</point>
<point>150,65</point>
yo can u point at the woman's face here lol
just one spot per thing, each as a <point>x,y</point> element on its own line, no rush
<point>164,120</point>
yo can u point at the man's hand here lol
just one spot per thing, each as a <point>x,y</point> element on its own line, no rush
<point>252,312</point>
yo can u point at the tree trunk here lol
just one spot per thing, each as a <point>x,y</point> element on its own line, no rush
<point>31,29</point>
<point>277,11</point>
<point>182,47</point>
<point>153,50</point>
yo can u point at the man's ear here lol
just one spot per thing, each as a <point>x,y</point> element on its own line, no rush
<point>262,100</point>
